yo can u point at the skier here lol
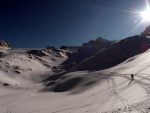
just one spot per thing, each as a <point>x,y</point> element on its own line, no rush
<point>132,78</point>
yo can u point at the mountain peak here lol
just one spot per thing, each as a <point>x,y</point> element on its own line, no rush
<point>146,32</point>
<point>98,40</point>
<point>101,40</point>
<point>5,45</point>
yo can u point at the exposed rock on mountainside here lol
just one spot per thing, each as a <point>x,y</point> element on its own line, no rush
<point>4,44</point>
<point>63,47</point>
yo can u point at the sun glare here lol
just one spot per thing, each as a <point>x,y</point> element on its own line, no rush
<point>146,14</point>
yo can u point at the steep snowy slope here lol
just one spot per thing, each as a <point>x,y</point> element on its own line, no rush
<point>114,54</point>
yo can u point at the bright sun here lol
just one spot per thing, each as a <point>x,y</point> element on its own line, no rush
<point>146,14</point>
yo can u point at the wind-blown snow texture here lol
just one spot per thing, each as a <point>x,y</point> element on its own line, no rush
<point>92,78</point>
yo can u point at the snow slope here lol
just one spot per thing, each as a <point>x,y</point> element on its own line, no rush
<point>114,53</point>
<point>36,81</point>
<point>29,65</point>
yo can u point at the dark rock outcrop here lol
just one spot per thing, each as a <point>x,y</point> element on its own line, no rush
<point>5,44</point>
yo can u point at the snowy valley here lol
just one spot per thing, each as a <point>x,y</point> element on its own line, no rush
<point>92,78</point>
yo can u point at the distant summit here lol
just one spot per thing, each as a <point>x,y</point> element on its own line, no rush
<point>5,45</point>
<point>98,41</point>
<point>146,32</point>
<point>101,40</point>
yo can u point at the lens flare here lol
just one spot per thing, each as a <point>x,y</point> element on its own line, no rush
<point>146,14</point>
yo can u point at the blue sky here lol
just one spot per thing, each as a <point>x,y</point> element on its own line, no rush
<point>38,23</point>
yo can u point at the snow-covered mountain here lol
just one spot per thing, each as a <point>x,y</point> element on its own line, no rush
<point>92,78</point>
<point>114,53</point>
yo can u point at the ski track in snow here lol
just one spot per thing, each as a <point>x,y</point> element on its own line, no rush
<point>145,86</point>
<point>110,92</point>
<point>95,105</point>
<point>9,107</point>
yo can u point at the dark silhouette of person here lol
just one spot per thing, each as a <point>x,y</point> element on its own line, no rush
<point>132,78</point>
